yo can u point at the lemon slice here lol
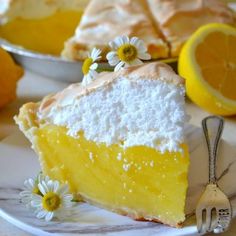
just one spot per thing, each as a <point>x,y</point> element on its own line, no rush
<point>208,63</point>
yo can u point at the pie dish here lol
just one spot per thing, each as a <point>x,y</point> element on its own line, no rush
<point>118,142</point>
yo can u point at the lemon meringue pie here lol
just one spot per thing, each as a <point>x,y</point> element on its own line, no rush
<point>118,141</point>
<point>163,25</point>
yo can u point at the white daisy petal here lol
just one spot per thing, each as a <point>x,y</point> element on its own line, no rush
<point>95,54</point>
<point>93,74</point>
<point>67,197</point>
<point>36,202</point>
<point>56,186</point>
<point>67,203</point>
<point>94,66</point>
<point>113,45</point>
<point>41,188</point>
<point>135,62</point>
<point>125,39</point>
<point>40,178</point>
<point>97,58</point>
<point>63,189</point>
<point>110,55</point>
<point>87,79</point>
<point>36,197</point>
<point>37,210</point>
<point>61,215</point>
<point>47,184</point>
<point>25,193</point>
<point>26,200</point>
<point>144,56</point>
<point>50,185</point>
<point>49,216</point>
<point>119,66</point>
<point>134,41</point>
<point>118,41</point>
<point>41,214</point>
<point>32,182</point>
<point>29,184</point>
<point>112,58</point>
<point>114,61</point>
<point>141,46</point>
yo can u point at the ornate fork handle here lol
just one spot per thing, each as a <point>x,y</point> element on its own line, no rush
<point>212,128</point>
<point>213,203</point>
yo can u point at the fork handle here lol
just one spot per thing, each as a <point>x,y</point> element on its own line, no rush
<point>212,128</point>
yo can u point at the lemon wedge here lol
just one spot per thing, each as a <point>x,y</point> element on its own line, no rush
<point>208,63</point>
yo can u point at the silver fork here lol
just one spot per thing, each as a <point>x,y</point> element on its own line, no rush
<point>213,212</point>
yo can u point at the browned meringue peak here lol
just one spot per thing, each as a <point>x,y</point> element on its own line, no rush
<point>178,19</point>
<point>152,71</point>
<point>103,20</point>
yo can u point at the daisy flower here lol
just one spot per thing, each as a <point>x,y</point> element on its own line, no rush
<point>54,201</point>
<point>31,188</point>
<point>89,67</point>
<point>127,52</point>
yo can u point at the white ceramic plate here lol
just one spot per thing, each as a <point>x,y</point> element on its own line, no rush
<point>18,162</point>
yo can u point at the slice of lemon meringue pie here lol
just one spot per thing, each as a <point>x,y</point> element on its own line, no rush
<point>118,141</point>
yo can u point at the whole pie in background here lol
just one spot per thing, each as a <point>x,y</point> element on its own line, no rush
<point>164,25</point>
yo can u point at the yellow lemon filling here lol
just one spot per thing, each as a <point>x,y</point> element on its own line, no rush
<point>138,181</point>
<point>45,35</point>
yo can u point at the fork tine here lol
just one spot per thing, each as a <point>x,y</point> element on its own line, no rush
<point>199,220</point>
<point>208,220</point>
<point>213,219</point>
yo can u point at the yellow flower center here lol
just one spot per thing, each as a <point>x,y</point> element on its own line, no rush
<point>86,65</point>
<point>51,201</point>
<point>127,52</point>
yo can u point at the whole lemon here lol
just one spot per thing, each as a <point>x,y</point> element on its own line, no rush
<point>10,73</point>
